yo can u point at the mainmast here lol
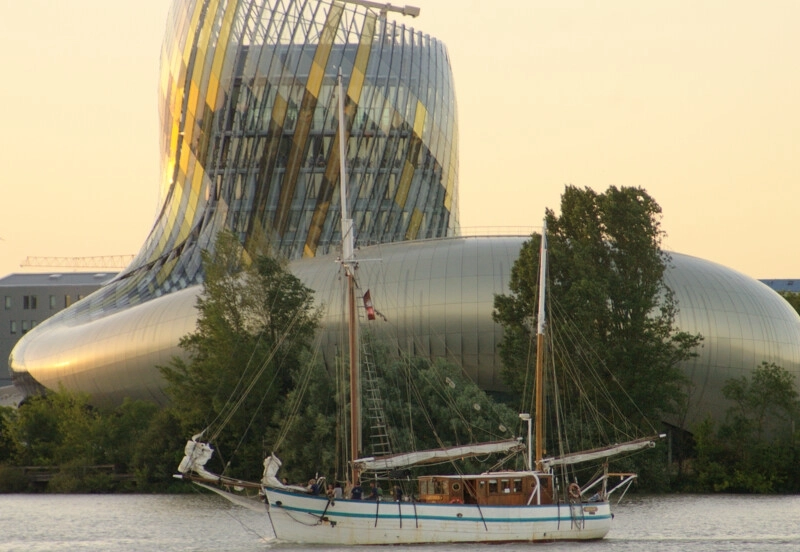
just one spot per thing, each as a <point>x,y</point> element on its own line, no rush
<point>539,376</point>
<point>349,264</point>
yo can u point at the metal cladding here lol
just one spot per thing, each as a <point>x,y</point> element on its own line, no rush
<point>435,298</point>
<point>249,143</point>
<point>248,112</point>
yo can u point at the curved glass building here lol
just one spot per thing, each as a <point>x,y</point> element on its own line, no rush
<point>249,114</point>
<point>249,143</point>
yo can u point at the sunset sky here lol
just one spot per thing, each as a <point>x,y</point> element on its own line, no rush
<point>697,101</point>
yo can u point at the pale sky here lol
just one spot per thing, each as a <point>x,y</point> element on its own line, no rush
<point>696,101</point>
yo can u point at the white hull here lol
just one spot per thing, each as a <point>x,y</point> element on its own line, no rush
<point>310,519</point>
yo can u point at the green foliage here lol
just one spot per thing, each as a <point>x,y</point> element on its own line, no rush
<point>793,298</point>
<point>158,452</point>
<point>764,402</point>
<point>434,404</point>
<point>756,449</point>
<point>606,272</point>
<point>426,405</point>
<point>255,323</point>
<point>81,449</point>
<point>304,426</point>
<point>7,416</point>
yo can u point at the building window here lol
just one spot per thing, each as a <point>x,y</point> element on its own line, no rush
<point>9,302</point>
<point>29,302</point>
<point>52,302</point>
<point>25,326</point>
<point>67,301</point>
<point>13,326</point>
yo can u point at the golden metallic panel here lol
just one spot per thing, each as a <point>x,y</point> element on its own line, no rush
<point>279,109</point>
<point>405,184</point>
<point>184,159</point>
<point>419,119</point>
<point>315,76</point>
<point>213,88</point>
<point>190,33</point>
<point>185,228</point>
<point>194,91</point>
<point>413,227</point>
<point>165,271</point>
<point>197,185</point>
<point>356,84</point>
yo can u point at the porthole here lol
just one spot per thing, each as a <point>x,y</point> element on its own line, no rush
<point>456,487</point>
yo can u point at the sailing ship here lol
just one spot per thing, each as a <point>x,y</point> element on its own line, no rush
<point>520,505</point>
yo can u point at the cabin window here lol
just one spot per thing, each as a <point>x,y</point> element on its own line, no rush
<point>425,487</point>
<point>517,486</point>
<point>493,486</point>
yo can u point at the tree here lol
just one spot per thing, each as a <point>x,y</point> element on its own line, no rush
<point>755,449</point>
<point>762,402</point>
<point>793,298</point>
<point>255,321</point>
<point>606,275</point>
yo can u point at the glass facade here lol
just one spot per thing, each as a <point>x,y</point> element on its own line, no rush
<point>248,110</point>
<point>249,143</point>
<point>249,115</point>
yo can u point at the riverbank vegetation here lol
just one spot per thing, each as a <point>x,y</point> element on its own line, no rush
<point>257,322</point>
<point>60,443</point>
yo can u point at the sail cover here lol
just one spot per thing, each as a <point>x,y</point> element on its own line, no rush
<point>438,455</point>
<point>604,452</point>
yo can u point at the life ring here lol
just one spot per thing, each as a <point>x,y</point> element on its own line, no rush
<point>574,490</point>
<point>456,500</point>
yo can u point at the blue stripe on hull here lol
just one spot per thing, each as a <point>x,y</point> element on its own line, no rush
<point>387,511</point>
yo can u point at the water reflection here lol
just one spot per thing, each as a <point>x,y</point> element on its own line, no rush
<point>167,523</point>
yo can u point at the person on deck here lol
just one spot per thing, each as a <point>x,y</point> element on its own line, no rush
<point>356,493</point>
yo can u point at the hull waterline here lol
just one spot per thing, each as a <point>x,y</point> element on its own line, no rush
<point>310,519</point>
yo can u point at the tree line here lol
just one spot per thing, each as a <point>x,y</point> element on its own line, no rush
<point>251,368</point>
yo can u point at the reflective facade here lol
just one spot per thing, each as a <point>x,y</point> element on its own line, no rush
<point>437,299</point>
<point>249,143</point>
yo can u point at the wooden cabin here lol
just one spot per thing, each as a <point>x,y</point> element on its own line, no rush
<point>493,489</point>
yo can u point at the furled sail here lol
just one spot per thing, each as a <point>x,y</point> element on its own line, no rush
<point>603,452</point>
<point>437,455</point>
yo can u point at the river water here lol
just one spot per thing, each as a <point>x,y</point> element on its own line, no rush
<point>203,523</point>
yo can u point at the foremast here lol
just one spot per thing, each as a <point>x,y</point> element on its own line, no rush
<point>539,375</point>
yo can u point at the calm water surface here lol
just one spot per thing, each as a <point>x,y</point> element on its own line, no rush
<point>95,523</point>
